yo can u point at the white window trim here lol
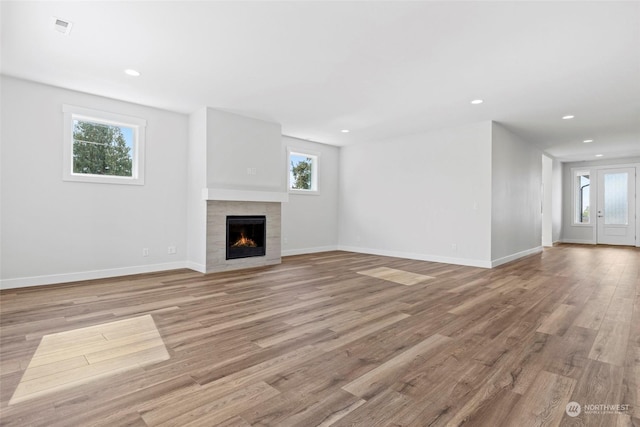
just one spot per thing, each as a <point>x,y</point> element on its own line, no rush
<point>315,190</point>
<point>574,195</point>
<point>72,113</point>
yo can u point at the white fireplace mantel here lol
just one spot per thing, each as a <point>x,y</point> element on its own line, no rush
<point>244,195</point>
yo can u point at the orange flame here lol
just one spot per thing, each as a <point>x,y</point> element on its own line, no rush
<point>244,242</point>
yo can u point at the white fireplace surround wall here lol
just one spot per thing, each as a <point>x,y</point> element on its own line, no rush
<point>222,203</point>
<point>244,195</point>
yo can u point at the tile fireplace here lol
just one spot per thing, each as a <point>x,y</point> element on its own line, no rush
<point>242,234</point>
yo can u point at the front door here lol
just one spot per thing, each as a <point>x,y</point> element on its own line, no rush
<point>616,220</point>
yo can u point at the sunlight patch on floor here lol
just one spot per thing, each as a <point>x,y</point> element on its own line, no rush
<point>70,358</point>
<point>397,276</point>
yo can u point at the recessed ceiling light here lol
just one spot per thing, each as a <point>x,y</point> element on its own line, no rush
<point>131,72</point>
<point>599,155</point>
<point>345,131</point>
<point>569,117</point>
<point>477,101</point>
<point>586,141</point>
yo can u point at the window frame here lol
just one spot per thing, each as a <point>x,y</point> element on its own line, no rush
<point>575,173</point>
<point>71,113</point>
<point>315,157</point>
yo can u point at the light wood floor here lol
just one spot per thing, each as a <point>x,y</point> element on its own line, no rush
<point>336,339</point>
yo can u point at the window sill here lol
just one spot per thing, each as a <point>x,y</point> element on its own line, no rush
<point>97,179</point>
<point>304,192</point>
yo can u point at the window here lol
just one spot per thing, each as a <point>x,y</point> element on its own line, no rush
<point>582,197</point>
<point>103,147</point>
<point>303,172</point>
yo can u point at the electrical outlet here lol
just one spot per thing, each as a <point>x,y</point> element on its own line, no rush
<point>145,251</point>
<point>454,247</point>
<point>171,250</point>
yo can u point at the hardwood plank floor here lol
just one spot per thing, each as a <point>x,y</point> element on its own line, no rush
<point>335,339</point>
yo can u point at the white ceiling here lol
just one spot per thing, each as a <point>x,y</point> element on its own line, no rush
<point>380,69</point>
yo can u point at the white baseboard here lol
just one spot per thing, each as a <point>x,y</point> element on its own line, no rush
<point>22,282</point>
<point>417,256</point>
<point>200,268</point>
<point>517,255</point>
<point>579,241</point>
<point>304,251</point>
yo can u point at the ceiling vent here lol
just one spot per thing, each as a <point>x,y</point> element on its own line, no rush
<point>61,26</point>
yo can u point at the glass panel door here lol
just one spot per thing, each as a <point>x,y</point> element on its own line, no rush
<point>616,206</point>
<point>616,200</point>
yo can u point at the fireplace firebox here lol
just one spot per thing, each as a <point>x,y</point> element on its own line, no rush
<point>246,236</point>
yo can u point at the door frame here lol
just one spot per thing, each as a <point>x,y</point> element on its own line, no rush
<point>632,203</point>
<point>593,171</point>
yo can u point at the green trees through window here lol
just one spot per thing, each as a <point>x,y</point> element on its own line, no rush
<point>582,197</point>
<point>100,149</point>
<point>301,172</point>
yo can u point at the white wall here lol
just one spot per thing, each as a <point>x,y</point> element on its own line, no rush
<point>310,221</point>
<point>516,219</point>
<point>425,196</point>
<point>196,181</point>
<point>236,144</point>
<point>54,231</point>
<point>556,203</point>
<point>547,200</point>
<point>585,233</point>
<point>428,196</point>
